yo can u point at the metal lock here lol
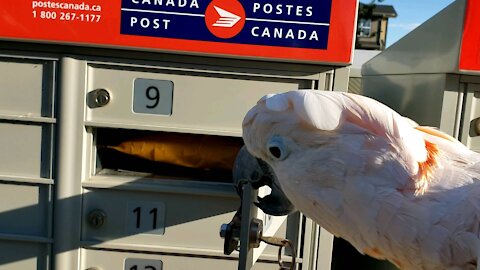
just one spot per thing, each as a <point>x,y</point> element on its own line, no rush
<point>97,218</point>
<point>98,98</point>
<point>231,233</point>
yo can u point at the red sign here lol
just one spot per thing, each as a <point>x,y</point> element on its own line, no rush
<point>312,31</point>
<point>470,51</point>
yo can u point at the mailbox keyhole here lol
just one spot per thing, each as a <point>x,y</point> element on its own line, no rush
<point>96,218</point>
<point>98,98</point>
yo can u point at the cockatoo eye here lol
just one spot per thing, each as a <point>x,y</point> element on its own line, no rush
<point>277,149</point>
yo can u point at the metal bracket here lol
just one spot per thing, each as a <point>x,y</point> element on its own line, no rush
<point>244,225</point>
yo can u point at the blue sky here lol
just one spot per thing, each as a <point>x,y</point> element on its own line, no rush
<point>411,13</point>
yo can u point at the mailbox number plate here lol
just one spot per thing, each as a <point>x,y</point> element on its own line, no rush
<point>142,264</point>
<point>152,96</point>
<point>146,218</point>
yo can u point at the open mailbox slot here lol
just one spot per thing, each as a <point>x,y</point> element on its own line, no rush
<point>157,154</point>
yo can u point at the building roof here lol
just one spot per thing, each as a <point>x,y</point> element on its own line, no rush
<point>381,10</point>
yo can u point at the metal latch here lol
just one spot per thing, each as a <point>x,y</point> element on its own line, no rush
<point>245,232</point>
<point>231,233</point>
<point>249,229</point>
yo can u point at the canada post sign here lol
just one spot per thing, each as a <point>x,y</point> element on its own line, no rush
<point>300,24</point>
<point>311,31</point>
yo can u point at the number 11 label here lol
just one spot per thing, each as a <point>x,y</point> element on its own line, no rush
<point>146,217</point>
<point>152,96</point>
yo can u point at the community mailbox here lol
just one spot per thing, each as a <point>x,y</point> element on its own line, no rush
<point>120,121</point>
<point>432,74</point>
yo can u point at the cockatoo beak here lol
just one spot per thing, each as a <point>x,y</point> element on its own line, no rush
<point>249,169</point>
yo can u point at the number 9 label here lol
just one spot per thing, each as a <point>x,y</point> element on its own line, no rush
<point>152,96</point>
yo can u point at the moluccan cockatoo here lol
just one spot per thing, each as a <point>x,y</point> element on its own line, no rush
<point>395,190</point>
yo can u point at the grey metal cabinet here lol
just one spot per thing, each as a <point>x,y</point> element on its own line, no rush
<point>69,203</point>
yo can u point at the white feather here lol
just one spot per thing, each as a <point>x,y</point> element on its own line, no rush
<point>314,107</point>
<point>277,103</point>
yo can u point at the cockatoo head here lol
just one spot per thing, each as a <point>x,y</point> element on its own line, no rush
<point>305,132</point>
<point>280,127</point>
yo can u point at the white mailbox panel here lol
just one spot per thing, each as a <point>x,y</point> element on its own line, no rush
<point>26,88</point>
<point>25,149</point>
<point>200,100</point>
<point>24,209</point>
<point>159,219</point>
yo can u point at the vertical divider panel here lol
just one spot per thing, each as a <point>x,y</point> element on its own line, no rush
<point>67,199</point>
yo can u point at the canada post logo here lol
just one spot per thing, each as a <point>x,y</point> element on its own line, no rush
<point>225,19</point>
<point>279,23</point>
